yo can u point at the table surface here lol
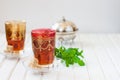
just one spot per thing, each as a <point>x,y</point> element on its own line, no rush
<point>102,58</point>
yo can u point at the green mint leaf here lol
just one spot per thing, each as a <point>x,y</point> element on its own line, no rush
<point>70,55</point>
<point>81,63</point>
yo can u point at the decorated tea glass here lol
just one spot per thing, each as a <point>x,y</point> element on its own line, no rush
<point>43,45</point>
<point>15,37</point>
<point>43,48</point>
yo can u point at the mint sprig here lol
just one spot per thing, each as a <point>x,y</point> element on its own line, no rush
<point>70,55</point>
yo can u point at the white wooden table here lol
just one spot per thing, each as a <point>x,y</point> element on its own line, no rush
<point>102,58</point>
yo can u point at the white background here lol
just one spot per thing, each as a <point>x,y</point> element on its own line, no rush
<point>92,16</point>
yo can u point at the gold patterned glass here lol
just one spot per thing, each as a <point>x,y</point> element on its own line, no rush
<point>43,44</point>
<point>15,34</point>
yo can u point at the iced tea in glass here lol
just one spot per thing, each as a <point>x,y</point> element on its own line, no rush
<point>43,45</point>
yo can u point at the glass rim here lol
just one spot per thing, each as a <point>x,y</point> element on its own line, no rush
<point>15,21</point>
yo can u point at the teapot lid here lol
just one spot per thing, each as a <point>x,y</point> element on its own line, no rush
<point>64,26</point>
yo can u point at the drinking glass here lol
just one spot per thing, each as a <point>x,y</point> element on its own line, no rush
<point>43,45</point>
<point>15,36</point>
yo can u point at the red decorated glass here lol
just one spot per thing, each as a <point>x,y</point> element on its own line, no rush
<point>43,45</point>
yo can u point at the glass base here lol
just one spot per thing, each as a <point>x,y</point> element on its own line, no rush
<point>12,54</point>
<point>37,69</point>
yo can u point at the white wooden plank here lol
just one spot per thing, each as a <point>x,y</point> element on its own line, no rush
<point>80,72</point>
<point>92,62</point>
<point>45,76</point>
<point>50,76</point>
<point>65,75</point>
<point>115,39</point>
<point>19,72</point>
<point>2,58</point>
<point>2,47</point>
<point>31,76</point>
<point>113,51</point>
<point>7,68</point>
<point>105,61</point>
